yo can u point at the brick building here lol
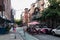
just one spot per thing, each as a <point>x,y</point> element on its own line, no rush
<point>5,9</point>
<point>25,16</point>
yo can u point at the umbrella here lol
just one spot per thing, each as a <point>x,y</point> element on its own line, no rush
<point>33,23</point>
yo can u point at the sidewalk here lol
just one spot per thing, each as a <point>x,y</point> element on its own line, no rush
<point>25,35</point>
<point>10,36</point>
<point>20,35</point>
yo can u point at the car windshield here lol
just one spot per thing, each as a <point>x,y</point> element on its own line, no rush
<point>58,27</point>
<point>44,26</point>
<point>37,26</point>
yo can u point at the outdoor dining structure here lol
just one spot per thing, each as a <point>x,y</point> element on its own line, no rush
<point>4,25</point>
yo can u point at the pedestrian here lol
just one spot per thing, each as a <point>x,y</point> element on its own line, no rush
<point>14,30</point>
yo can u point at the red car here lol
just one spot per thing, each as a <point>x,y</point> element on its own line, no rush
<point>45,29</point>
<point>37,27</point>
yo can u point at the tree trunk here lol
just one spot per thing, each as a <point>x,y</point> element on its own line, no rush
<point>51,23</point>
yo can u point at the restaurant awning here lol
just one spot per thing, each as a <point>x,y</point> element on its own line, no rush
<point>33,23</point>
<point>2,20</point>
<point>9,21</point>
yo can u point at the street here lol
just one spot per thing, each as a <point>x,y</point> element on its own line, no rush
<point>20,36</point>
<point>46,37</point>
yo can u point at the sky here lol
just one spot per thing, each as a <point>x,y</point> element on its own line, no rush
<point>19,5</point>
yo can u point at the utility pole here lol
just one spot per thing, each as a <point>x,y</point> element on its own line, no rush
<point>12,15</point>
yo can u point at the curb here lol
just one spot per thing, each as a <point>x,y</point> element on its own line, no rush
<point>30,37</point>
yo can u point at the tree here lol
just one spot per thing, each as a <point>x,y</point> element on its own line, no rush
<point>52,13</point>
<point>19,22</point>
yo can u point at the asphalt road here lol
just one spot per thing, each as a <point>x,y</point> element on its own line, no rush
<point>46,37</point>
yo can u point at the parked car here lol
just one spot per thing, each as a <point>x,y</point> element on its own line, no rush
<point>45,30</point>
<point>37,27</point>
<point>56,31</point>
<point>31,30</point>
<point>33,27</point>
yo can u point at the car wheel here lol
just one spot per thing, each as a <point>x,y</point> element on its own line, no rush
<point>53,33</point>
<point>39,32</point>
<point>46,31</point>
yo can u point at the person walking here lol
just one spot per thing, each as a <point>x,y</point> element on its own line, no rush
<point>14,30</point>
